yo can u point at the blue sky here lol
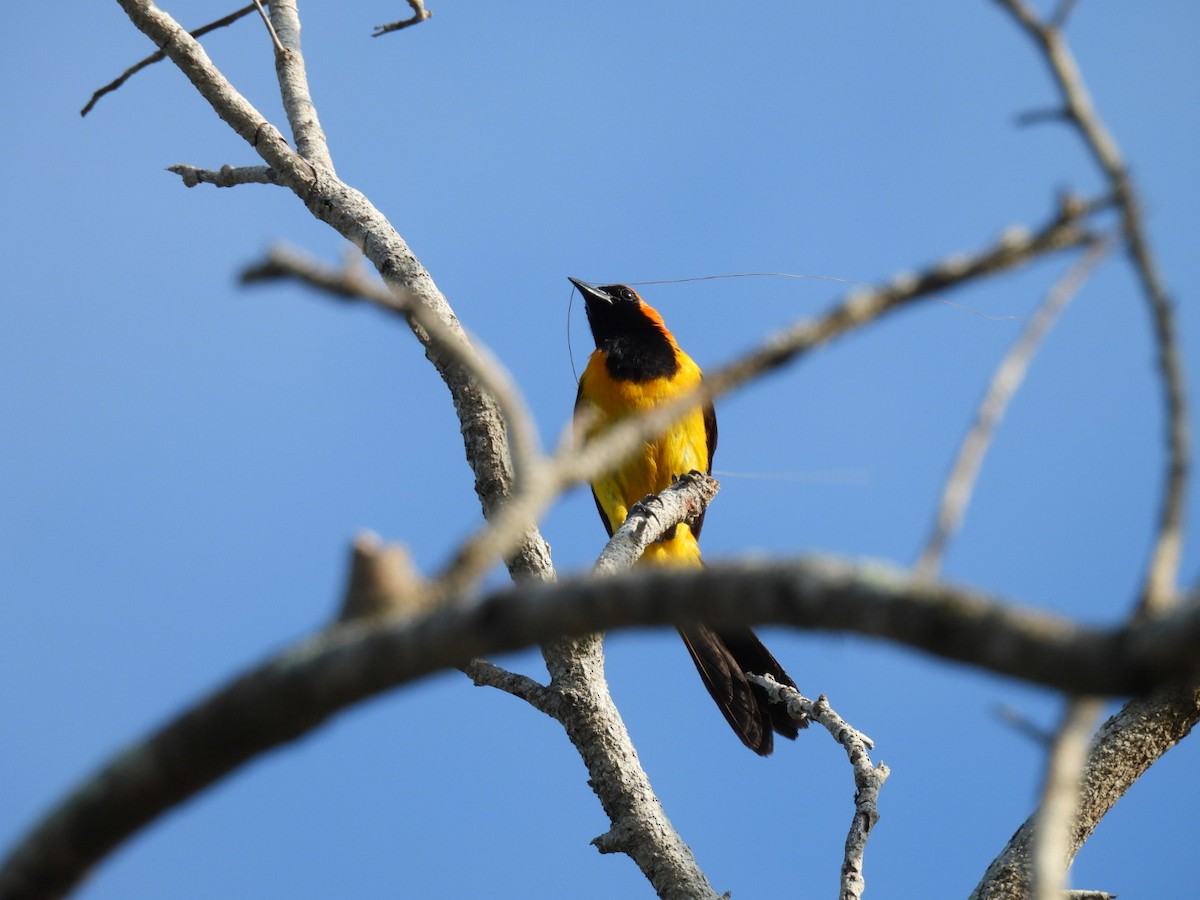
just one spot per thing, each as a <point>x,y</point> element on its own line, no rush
<point>185,461</point>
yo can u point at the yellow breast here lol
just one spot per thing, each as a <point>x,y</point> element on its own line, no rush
<point>680,449</point>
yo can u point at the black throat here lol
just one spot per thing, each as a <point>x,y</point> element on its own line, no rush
<point>641,356</point>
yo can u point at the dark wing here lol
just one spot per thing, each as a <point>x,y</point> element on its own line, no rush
<point>600,509</point>
<point>710,432</point>
<point>710,437</point>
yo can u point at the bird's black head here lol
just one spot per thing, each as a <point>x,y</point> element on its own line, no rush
<point>637,345</point>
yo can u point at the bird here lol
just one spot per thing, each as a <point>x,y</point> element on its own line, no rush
<point>637,365</point>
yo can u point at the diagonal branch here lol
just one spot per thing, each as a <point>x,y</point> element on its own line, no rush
<point>652,517</point>
<point>307,133</point>
<point>1159,590</point>
<point>1121,752</point>
<point>160,56</point>
<point>1005,382</point>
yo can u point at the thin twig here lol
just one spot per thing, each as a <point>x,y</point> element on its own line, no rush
<point>279,48</point>
<point>420,14</point>
<point>868,778</point>
<point>1022,724</point>
<point>1159,590</point>
<point>160,56</point>
<point>1007,379</point>
<point>1062,12</point>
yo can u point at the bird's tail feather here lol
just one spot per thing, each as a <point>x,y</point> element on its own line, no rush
<point>722,659</point>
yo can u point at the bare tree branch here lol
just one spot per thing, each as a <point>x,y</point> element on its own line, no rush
<point>295,691</point>
<point>652,517</point>
<point>307,133</point>
<point>1005,382</point>
<point>639,824</point>
<point>420,14</point>
<point>356,219</point>
<point>160,56</point>
<point>868,778</point>
<point>226,176</point>
<point>1121,752</point>
<point>576,666</point>
<point>1159,591</point>
<point>487,674</point>
<point>266,19</point>
<point>1060,798</point>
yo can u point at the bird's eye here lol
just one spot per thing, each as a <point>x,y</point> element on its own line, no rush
<point>626,294</point>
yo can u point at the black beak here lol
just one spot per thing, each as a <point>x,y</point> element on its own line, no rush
<point>590,294</point>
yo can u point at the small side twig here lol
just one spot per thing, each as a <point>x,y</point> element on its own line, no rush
<point>486,674</point>
<point>1022,724</point>
<point>382,582</point>
<point>956,494</point>
<point>868,778</point>
<point>279,48</point>
<point>160,56</point>
<point>226,176</point>
<point>1063,12</point>
<point>420,14</point>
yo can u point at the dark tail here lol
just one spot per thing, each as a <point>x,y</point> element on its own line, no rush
<point>723,659</point>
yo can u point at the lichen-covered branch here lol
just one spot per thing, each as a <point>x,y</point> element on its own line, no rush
<point>868,777</point>
<point>1121,752</point>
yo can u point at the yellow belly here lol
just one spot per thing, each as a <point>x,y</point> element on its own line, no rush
<point>682,448</point>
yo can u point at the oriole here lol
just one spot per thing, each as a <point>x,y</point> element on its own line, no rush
<point>636,366</point>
